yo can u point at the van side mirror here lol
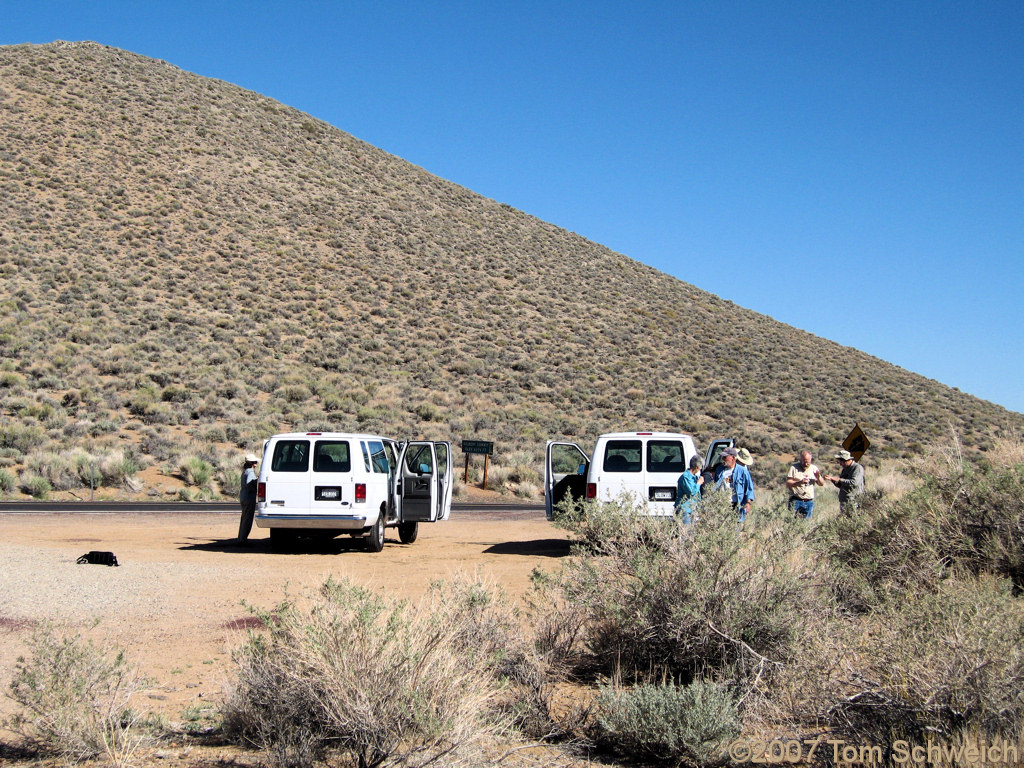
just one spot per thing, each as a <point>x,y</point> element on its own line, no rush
<point>424,469</point>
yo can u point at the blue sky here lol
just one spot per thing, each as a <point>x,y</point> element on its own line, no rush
<point>854,169</point>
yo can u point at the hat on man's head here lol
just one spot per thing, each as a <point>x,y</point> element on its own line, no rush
<point>844,456</point>
<point>730,452</point>
<point>251,458</point>
<point>743,457</point>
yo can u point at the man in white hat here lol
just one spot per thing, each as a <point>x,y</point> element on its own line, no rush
<point>850,482</point>
<point>742,483</point>
<point>247,498</point>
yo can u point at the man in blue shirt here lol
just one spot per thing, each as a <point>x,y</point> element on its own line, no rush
<point>742,482</point>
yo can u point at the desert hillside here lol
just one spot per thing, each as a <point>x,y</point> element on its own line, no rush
<point>187,267</point>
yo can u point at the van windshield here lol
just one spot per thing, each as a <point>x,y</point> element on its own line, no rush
<point>666,456</point>
<point>623,456</point>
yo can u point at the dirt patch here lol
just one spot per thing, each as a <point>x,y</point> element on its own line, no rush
<point>178,603</point>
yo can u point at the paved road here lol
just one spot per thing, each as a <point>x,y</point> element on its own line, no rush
<point>182,508</point>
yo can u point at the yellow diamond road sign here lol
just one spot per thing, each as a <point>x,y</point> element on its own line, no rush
<point>856,442</point>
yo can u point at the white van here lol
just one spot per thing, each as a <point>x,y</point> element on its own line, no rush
<point>327,483</point>
<point>644,465</point>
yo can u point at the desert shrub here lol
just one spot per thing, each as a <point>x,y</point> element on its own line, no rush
<point>944,664</point>
<point>380,681</point>
<point>21,437</point>
<point>35,485</point>
<point>117,466</point>
<point>693,602</point>
<point>526,490</point>
<point>156,444</point>
<point>75,698</point>
<point>196,471</point>
<point>7,480</point>
<point>57,468</point>
<point>962,518</point>
<point>11,380</point>
<point>667,723</point>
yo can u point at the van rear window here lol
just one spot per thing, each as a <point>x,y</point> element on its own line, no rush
<point>623,456</point>
<point>666,456</point>
<point>332,456</point>
<point>290,456</point>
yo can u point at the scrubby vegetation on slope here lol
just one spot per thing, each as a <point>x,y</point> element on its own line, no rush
<point>188,267</point>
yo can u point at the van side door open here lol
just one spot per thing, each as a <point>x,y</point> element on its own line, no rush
<point>565,473</point>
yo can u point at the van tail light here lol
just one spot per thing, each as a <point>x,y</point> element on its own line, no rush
<point>360,492</point>
<point>261,492</point>
<point>591,490</point>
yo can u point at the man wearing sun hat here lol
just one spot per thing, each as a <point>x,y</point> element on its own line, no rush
<point>247,497</point>
<point>850,482</point>
<point>742,482</point>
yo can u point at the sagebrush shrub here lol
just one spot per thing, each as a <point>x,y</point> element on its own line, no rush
<point>381,681</point>
<point>666,722</point>
<point>944,664</point>
<point>75,698</point>
<point>689,601</point>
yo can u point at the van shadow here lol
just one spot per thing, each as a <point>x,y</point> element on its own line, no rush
<point>299,546</point>
<point>535,548</point>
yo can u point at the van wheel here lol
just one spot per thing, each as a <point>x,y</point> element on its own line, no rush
<point>375,541</point>
<point>407,532</point>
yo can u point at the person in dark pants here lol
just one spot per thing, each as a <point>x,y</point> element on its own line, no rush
<point>850,483</point>
<point>247,497</point>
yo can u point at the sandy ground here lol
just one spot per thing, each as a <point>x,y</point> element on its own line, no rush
<point>175,602</point>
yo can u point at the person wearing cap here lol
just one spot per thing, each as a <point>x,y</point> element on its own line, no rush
<point>723,470</point>
<point>247,497</point>
<point>742,482</point>
<point>800,481</point>
<point>850,482</point>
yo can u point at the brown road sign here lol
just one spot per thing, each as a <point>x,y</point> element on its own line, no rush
<point>856,442</point>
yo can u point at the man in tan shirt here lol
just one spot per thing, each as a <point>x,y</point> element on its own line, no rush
<point>800,481</point>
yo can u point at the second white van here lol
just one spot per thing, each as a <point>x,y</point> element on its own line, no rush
<point>643,465</point>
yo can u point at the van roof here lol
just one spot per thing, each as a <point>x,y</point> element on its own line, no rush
<point>668,435</point>
<point>330,436</point>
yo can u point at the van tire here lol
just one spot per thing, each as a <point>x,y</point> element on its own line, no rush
<point>375,541</point>
<point>407,532</point>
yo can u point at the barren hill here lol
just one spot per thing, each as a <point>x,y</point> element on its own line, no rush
<point>189,265</point>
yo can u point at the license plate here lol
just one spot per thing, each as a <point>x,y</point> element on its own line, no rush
<point>663,495</point>
<point>328,494</point>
